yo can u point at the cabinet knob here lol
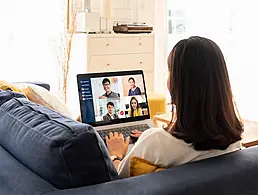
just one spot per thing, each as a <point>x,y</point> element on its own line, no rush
<point>107,44</point>
<point>108,64</point>
<point>140,62</point>
<point>140,43</point>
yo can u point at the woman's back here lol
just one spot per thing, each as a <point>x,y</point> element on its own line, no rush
<point>205,123</point>
<point>160,148</point>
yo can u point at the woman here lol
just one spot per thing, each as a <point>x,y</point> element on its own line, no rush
<point>135,109</point>
<point>133,89</point>
<point>205,123</point>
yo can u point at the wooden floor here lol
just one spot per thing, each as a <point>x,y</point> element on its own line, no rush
<point>250,135</point>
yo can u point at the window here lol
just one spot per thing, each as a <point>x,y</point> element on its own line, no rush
<point>231,25</point>
<point>28,39</point>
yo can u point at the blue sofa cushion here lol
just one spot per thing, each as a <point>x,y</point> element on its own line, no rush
<point>66,153</point>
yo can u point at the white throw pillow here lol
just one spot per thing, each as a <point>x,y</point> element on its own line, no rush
<point>44,97</point>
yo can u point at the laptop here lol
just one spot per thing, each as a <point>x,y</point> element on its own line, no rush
<point>114,102</point>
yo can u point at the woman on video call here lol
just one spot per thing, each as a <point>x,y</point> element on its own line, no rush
<point>135,109</point>
<point>206,122</point>
<point>134,90</point>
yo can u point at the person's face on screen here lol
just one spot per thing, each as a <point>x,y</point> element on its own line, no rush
<point>110,109</point>
<point>134,104</point>
<point>131,83</point>
<point>106,87</point>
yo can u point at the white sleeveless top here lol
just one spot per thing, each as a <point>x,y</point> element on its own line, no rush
<point>161,148</point>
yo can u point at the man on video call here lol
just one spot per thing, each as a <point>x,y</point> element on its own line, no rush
<point>109,93</point>
<point>110,115</point>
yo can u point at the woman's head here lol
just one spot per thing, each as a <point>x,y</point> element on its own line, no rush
<point>131,82</point>
<point>199,86</point>
<point>134,103</point>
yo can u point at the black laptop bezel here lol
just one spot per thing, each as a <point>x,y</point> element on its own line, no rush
<point>112,74</point>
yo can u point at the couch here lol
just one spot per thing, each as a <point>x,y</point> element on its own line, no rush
<point>231,174</point>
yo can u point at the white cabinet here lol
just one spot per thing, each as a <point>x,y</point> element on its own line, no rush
<point>114,52</point>
<point>121,44</point>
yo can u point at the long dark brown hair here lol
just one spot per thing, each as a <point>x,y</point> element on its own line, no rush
<point>200,89</point>
<point>138,106</point>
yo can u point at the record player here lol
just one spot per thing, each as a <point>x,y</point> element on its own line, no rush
<point>132,28</point>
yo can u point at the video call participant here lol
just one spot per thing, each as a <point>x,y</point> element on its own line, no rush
<point>133,89</point>
<point>135,109</point>
<point>110,115</point>
<point>109,93</point>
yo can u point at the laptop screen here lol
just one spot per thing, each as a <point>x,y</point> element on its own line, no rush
<point>111,98</point>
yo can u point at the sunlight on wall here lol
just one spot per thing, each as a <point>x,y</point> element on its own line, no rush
<point>231,24</point>
<point>242,61</point>
<point>28,50</point>
<point>28,36</point>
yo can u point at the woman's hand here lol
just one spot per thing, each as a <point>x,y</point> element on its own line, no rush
<point>117,145</point>
<point>136,133</point>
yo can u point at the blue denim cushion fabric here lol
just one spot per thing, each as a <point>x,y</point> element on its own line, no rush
<point>16,179</point>
<point>66,153</point>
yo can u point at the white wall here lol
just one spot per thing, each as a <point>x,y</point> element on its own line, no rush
<point>26,40</point>
<point>78,66</point>
<point>160,13</point>
<point>6,38</point>
<point>242,62</point>
<point>213,20</point>
<point>30,39</point>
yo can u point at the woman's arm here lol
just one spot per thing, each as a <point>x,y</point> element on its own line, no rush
<point>148,147</point>
<point>117,146</point>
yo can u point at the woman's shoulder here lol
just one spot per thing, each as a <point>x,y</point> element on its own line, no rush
<point>159,142</point>
<point>162,134</point>
<point>156,132</point>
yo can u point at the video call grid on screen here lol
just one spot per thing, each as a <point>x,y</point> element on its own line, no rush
<point>106,99</point>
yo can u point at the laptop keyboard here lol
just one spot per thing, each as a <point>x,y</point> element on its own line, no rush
<point>126,131</point>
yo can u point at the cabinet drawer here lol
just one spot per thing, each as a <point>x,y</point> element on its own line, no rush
<point>120,45</point>
<point>121,62</point>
